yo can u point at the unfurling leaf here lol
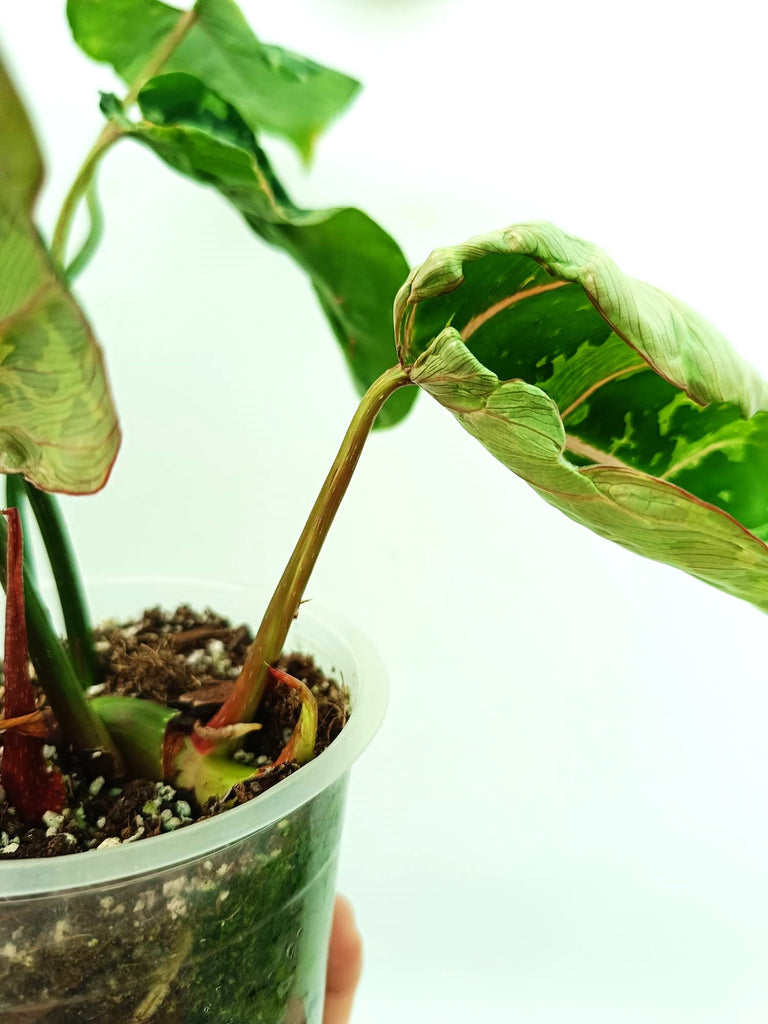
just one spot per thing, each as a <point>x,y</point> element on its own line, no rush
<point>32,786</point>
<point>57,423</point>
<point>301,745</point>
<point>617,403</point>
<point>155,743</point>
<point>274,90</point>
<point>354,265</point>
<point>225,733</point>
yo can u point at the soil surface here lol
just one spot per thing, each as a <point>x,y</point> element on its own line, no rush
<point>188,660</point>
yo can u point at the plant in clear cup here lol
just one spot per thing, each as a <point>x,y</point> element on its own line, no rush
<point>616,402</point>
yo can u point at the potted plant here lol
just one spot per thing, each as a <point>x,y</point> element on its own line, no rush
<point>59,430</point>
<point>620,406</point>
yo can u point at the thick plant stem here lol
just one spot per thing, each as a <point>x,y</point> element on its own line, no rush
<point>68,585</point>
<point>268,643</point>
<point>80,725</point>
<point>109,134</point>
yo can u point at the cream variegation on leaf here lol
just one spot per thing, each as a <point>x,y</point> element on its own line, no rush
<point>620,405</point>
<point>57,423</point>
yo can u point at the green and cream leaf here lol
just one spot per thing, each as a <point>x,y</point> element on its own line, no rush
<point>672,338</point>
<point>57,423</point>
<point>581,409</point>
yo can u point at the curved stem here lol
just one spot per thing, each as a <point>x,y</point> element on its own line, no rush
<point>95,232</point>
<point>268,643</point>
<point>111,132</point>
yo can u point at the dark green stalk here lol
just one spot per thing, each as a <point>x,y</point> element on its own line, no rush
<point>15,498</point>
<point>68,585</point>
<point>80,725</point>
<point>241,705</point>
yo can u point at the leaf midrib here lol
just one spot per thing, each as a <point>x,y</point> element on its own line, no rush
<point>479,319</point>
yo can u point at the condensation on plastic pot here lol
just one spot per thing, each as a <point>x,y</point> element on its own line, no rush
<point>339,649</point>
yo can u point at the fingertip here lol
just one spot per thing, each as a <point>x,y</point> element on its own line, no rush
<point>344,915</point>
<point>345,954</point>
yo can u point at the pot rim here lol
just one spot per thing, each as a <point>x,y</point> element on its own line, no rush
<point>319,626</point>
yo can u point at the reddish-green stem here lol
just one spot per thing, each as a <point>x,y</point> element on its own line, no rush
<point>268,643</point>
<point>56,674</point>
<point>30,786</point>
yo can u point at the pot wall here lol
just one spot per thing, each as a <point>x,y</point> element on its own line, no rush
<point>223,921</point>
<point>236,936</point>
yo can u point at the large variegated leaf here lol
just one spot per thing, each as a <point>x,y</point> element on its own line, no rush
<point>354,265</point>
<point>589,386</point>
<point>57,423</point>
<point>273,89</point>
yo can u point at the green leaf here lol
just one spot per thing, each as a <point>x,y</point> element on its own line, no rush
<point>354,265</point>
<point>273,89</point>
<point>589,386</point>
<point>207,775</point>
<point>57,423</point>
<point>21,165</point>
<point>139,729</point>
<point>112,107</point>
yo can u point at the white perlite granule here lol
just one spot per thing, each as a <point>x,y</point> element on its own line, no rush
<point>175,886</point>
<point>177,907</point>
<point>110,841</point>
<point>96,786</point>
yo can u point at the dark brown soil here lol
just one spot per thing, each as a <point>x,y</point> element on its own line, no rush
<point>187,660</point>
<point>162,656</point>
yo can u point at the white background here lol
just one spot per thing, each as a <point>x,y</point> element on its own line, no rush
<point>564,817</point>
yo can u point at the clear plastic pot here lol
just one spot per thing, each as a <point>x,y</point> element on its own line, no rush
<point>225,921</point>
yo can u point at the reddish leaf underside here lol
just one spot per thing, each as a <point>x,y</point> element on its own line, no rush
<point>32,786</point>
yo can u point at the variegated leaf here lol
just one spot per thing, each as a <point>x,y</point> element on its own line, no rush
<point>57,423</point>
<point>589,386</point>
